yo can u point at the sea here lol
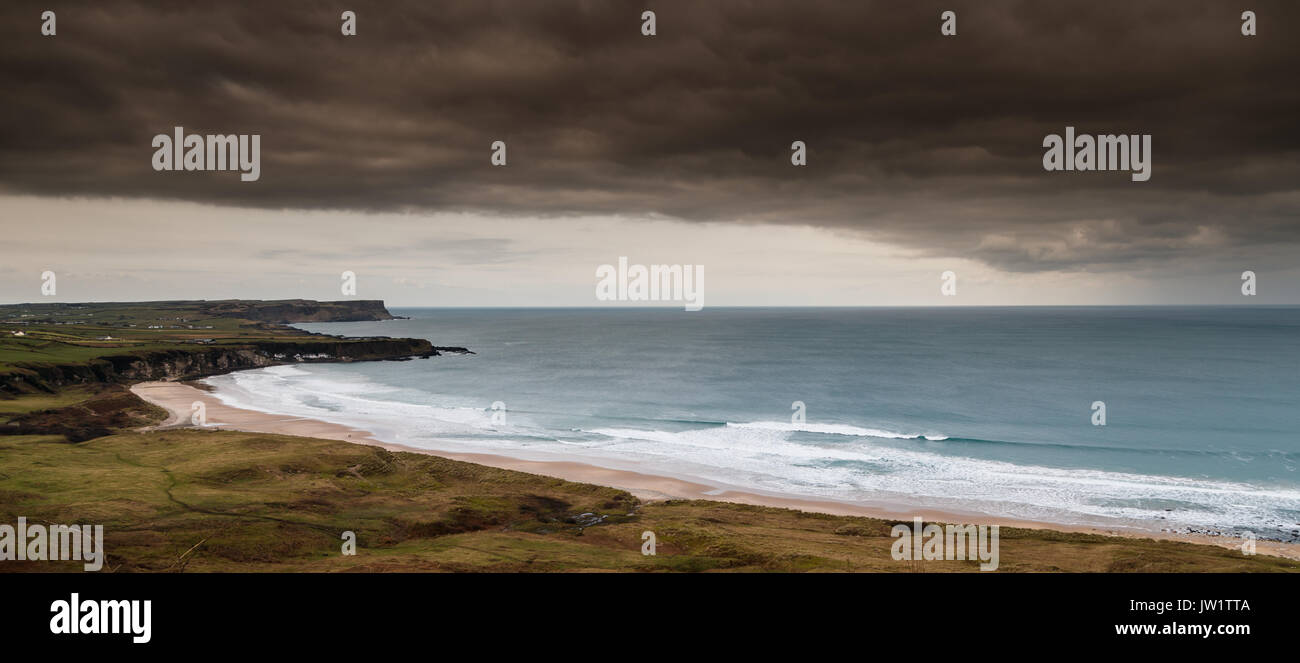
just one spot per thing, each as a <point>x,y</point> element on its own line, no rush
<point>1182,419</point>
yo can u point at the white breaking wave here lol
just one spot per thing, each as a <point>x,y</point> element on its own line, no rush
<point>762,456</point>
<point>836,429</point>
<point>355,401</point>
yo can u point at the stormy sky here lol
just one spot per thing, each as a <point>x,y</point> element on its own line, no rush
<point>924,151</point>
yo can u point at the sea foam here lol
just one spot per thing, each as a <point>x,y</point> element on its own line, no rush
<point>850,463</point>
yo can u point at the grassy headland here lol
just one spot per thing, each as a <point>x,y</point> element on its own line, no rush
<point>45,347</point>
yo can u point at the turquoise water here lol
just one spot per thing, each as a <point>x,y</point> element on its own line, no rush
<point>985,409</point>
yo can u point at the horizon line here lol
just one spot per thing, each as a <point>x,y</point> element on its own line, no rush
<point>675,307</point>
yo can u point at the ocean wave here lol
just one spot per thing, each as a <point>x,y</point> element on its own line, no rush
<point>836,429</point>
<point>771,456</point>
<point>284,370</point>
<point>764,457</point>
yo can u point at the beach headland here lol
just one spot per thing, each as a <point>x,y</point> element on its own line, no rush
<point>46,347</point>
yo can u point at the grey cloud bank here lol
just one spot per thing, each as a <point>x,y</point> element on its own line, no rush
<point>928,142</point>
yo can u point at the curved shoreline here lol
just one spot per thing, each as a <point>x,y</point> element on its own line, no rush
<point>177,398</point>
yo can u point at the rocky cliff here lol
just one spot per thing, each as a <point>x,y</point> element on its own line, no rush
<point>187,363</point>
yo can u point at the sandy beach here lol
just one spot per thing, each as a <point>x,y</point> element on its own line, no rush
<point>178,399</point>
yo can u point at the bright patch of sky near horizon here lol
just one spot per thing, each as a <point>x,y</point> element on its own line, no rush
<point>133,250</point>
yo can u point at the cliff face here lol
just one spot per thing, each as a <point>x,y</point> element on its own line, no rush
<point>164,344</point>
<point>188,364</point>
<point>299,310</point>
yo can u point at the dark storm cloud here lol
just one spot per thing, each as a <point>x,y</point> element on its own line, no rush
<point>933,143</point>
